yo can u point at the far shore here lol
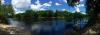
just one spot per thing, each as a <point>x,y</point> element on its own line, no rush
<point>51,17</point>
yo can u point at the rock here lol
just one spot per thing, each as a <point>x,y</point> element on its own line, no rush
<point>12,30</point>
<point>90,31</point>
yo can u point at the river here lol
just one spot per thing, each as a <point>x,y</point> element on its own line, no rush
<point>48,26</point>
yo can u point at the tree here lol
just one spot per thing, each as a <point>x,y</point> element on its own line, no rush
<point>43,13</point>
<point>9,10</point>
<point>49,13</point>
<point>5,11</point>
<point>74,3</point>
<point>59,13</point>
<point>93,8</point>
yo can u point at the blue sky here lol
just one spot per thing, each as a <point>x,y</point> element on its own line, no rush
<point>22,5</point>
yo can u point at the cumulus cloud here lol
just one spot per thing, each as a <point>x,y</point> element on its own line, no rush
<point>50,2</point>
<point>37,2</point>
<point>58,4</point>
<point>35,7</point>
<point>38,6</point>
<point>18,11</point>
<point>63,9</point>
<point>20,5</point>
<point>77,9</point>
<point>65,1</point>
<point>47,4</point>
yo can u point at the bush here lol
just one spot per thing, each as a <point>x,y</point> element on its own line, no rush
<point>3,19</point>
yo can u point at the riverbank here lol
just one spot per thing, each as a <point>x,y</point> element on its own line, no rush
<point>52,17</point>
<point>93,30</point>
<point>9,30</point>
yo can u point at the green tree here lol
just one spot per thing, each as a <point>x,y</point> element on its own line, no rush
<point>93,8</point>
<point>43,13</point>
<point>59,13</point>
<point>49,13</point>
<point>74,3</point>
<point>30,16</point>
<point>5,12</point>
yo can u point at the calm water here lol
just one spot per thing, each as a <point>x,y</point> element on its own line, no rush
<point>48,26</point>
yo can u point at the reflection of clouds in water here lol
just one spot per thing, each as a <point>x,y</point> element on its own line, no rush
<point>36,27</point>
<point>81,23</point>
<point>56,26</point>
<point>39,27</point>
<point>15,23</point>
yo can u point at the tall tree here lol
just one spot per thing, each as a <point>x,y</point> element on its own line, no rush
<point>93,9</point>
<point>5,11</point>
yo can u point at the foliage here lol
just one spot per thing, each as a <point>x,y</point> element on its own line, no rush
<point>32,15</point>
<point>5,12</point>
<point>72,2</point>
<point>92,9</point>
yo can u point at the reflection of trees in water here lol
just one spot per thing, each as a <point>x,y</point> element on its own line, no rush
<point>54,29</point>
<point>58,25</point>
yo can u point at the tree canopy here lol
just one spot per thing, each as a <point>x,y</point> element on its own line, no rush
<point>73,2</point>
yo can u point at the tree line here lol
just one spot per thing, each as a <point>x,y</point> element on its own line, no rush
<point>8,12</point>
<point>50,14</point>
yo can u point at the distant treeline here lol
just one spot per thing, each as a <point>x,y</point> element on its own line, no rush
<point>30,14</point>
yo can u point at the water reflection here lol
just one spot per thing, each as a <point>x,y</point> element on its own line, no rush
<point>48,26</point>
<point>15,23</point>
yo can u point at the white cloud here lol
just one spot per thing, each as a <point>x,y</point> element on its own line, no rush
<point>65,1</point>
<point>80,5</point>
<point>50,2</point>
<point>46,4</point>
<point>18,11</point>
<point>81,0</point>
<point>35,7</point>
<point>83,12</point>
<point>63,9</point>
<point>19,5</point>
<point>58,4</point>
<point>77,9</point>
<point>37,2</point>
<point>38,6</point>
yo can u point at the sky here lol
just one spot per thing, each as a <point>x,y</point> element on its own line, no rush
<point>20,6</point>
